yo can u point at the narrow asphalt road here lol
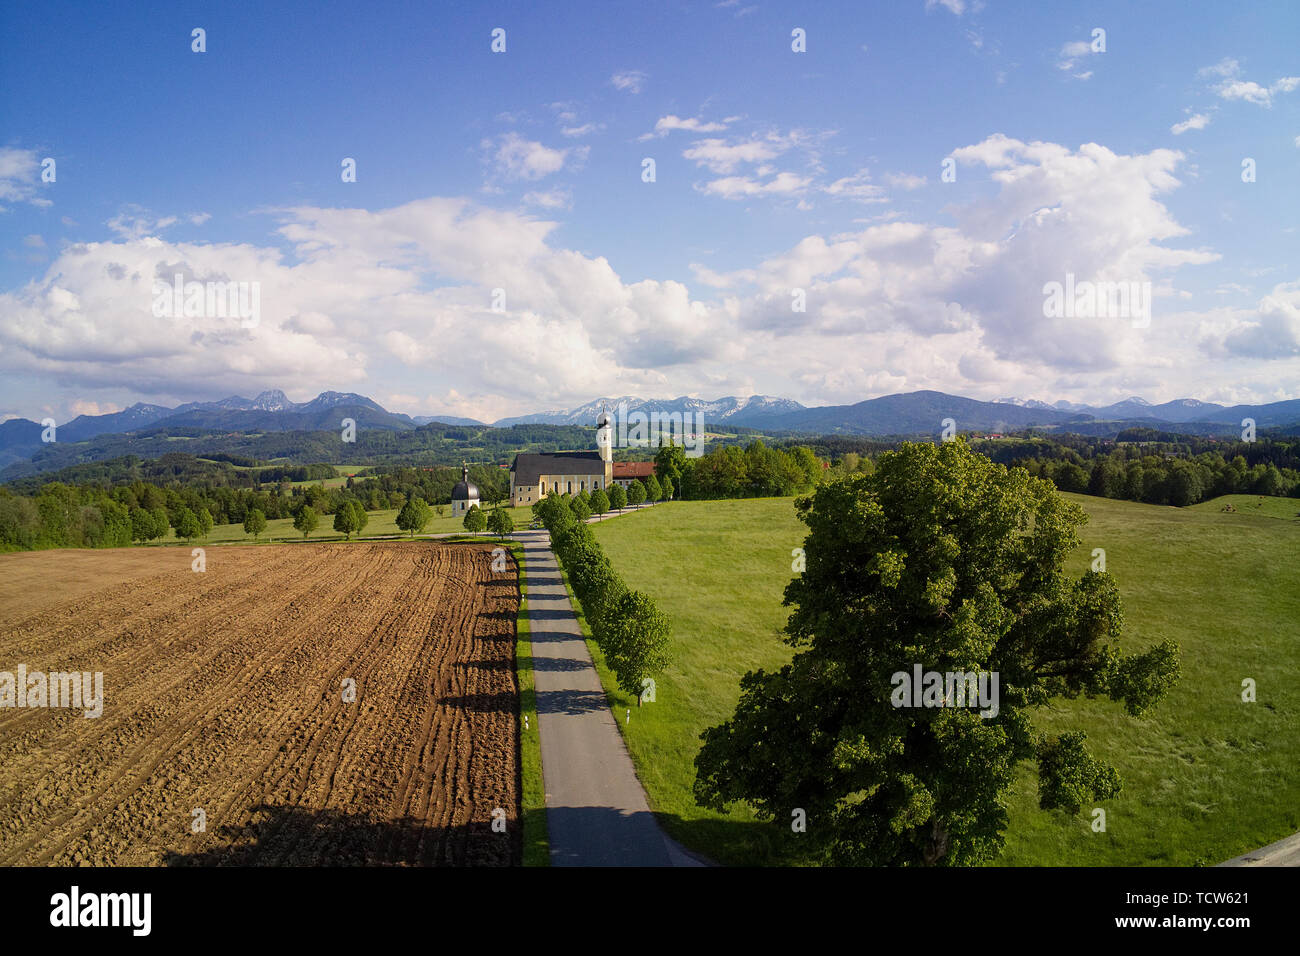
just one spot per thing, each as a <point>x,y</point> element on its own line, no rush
<point>596,809</point>
<point>1285,852</point>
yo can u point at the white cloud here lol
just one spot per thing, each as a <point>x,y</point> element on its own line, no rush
<point>719,156</point>
<point>905,180</point>
<point>952,6</point>
<point>1197,121</point>
<point>745,187</point>
<point>1270,331</point>
<point>629,81</point>
<point>1234,87</point>
<point>671,122</point>
<point>135,222</point>
<point>84,407</point>
<point>859,187</point>
<point>550,199</point>
<point>1071,53</point>
<point>20,171</point>
<point>398,302</point>
<point>516,158</point>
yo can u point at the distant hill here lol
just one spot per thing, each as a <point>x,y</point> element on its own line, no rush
<point>917,413</point>
<point>232,424</point>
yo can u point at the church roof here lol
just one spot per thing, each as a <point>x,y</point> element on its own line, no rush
<point>527,469</point>
<point>465,489</point>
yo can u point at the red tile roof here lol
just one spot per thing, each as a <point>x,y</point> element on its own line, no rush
<point>634,469</point>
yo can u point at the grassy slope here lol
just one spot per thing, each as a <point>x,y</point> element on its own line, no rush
<point>1206,777</point>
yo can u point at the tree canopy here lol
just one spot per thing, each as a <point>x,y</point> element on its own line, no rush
<point>945,561</point>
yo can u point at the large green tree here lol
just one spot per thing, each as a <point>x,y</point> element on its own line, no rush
<point>306,520</point>
<point>350,518</point>
<point>474,520</point>
<point>415,514</point>
<point>635,493</point>
<point>500,523</point>
<point>635,637</point>
<point>670,461</point>
<point>254,522</point>
<point>944,560</point>
<point>187,524</point>
<point>617,497</point>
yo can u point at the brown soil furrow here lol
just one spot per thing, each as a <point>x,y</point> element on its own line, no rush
<point>226,696</point>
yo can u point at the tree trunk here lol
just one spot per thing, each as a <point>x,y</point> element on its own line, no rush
<point>937,846</point>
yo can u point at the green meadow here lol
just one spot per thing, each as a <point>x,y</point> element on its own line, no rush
<point>1206,776</point>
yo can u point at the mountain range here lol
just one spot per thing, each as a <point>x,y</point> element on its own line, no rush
<point>910,413</point>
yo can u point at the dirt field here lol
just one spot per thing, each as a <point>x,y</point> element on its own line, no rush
<point>223,692</point>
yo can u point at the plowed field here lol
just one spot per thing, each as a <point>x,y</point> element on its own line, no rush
<point>224,692</point>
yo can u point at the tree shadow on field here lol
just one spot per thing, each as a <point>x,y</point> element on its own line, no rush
<point>299,836</point>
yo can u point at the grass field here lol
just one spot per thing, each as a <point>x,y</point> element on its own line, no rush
<point>380,523</point>
<point>1206,776</point>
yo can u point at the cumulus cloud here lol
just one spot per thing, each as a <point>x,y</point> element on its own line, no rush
<point>1232,86</point>
<point>981,282</point>
<point>363,293</point>
<point>515,158</point>
<point>401,299</point>
<point>1271,331</point>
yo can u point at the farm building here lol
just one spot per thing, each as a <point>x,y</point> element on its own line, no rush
<point>626,472</point>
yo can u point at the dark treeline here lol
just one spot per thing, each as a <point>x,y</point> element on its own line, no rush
<point>1176,473</point>
<point>113,503</point>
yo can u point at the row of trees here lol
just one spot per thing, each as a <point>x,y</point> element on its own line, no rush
<point>498,521</point>
<point>631,631</point>
<point>1166,480</point>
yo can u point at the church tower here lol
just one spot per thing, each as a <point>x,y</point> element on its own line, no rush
<point>605,437</point>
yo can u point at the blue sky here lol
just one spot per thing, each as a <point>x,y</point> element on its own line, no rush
<point>522,170</point>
